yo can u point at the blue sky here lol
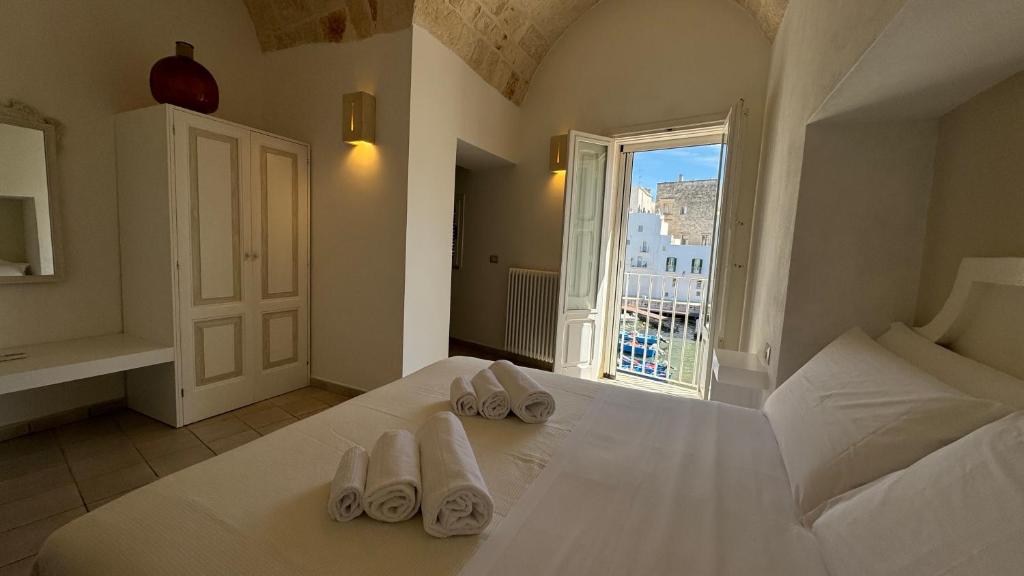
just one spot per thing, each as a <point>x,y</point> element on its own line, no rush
<point>694,163</point>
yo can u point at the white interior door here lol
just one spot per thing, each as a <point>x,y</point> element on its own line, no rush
<point>280,256</point>
<point>213,230</point>
<point>585,233</point>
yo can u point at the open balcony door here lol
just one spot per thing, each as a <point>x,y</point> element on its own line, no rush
<point>713,315</point>
<point>583,283</point>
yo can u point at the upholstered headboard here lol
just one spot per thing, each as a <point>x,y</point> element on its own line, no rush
<point>983,318</point>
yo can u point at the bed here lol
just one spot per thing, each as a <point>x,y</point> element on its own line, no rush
<point>618,481</point>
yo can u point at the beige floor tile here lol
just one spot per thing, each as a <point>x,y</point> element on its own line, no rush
<point>42,505</point>
<point>264,430</point>
<point>97,446</point>
<point>253,408</point>
<point>217,428</point>
<point>328,397</point>
<point>130,420</point>
<point>19,465</point>
<point>292,396</point>
<point>265,417</point>
<point>235,440</point>
<point>19,568</point>
<point>35,482</point>
<point>104,463</point>
<point>24,541</point>
<point>86,430</point>
<point>303,406</point>
<point>116,482</point>
<point>30,444</point>
<point>97,503</point>
<point>166,441</point>
<point>179,459</point>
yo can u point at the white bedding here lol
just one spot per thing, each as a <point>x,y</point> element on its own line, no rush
<point>649,485</point>
<point>259,509</point>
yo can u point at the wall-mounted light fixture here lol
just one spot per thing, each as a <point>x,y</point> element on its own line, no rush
<point>559,158</point>
<point>360,118</point>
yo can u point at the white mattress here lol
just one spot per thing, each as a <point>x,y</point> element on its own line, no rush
<point>259,509</point>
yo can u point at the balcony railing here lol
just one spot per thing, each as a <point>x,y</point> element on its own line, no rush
<point>660,327</point>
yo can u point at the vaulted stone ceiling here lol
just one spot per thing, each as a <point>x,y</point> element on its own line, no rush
<point>504,41</point>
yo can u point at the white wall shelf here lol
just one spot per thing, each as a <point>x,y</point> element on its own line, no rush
<point>56,362</point>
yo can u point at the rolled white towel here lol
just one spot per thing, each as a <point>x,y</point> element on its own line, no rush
<point>529,400</point>
<point>393,488</point>
<point>456,501</point>
<point>492,399</point>
<point>463,397</point>
<point>346,500</point>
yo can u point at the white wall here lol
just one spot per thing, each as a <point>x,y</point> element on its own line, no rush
<point>359,198</point>
<point>623,63</point>
<point>859,233</point>
<point>81,63</point>
<point>449,102</point>
<point>818,43</point>
<point>977,206</point>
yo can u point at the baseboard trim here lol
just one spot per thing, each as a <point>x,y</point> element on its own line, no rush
<point>335,387</point>
<point>11,431</point>
<point>488,352</point>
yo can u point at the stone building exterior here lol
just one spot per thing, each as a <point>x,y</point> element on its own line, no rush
<point>688,207</point>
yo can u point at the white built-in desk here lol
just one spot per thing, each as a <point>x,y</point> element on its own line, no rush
<point>56,362</point>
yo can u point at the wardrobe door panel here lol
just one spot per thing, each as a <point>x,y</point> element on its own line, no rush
<point>215,279</point>
<point>216,217</point>
<point>281,224</point>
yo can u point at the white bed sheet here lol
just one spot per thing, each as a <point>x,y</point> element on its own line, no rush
<point>259,509</point>
<point>648,485</point>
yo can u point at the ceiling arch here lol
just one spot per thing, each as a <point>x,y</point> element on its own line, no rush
<point>504,41</point>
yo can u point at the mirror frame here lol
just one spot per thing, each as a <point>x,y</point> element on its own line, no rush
<point>20,114</point>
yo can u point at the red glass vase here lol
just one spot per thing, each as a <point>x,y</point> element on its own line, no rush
<point>182,81</point>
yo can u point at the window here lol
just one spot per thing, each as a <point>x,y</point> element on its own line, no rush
<point>697,266</point>
<point>705,239</point>
<point>670,264</point>
<point>643,248</point>
<point>640,228</point>
<point>684,240</point>
<point>684,210</point>
<point>632,262</point>
<point>627,241</point>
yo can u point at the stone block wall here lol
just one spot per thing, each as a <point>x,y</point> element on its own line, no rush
<point>689,207</point>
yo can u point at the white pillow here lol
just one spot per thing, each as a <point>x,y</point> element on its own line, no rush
<point>958,371</point>
<point>856,412</point>
<point>957,512</point>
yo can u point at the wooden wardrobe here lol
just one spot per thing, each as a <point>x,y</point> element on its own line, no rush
<point>214,227</point>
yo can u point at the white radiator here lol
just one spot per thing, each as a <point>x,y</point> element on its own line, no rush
<point>531,314</point>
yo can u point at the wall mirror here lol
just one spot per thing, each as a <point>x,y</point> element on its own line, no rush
<point>29,208</point>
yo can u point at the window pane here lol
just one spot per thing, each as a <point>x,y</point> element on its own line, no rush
<point>585,222</point>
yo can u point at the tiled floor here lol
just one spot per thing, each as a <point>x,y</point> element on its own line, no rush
<point>49,478</point>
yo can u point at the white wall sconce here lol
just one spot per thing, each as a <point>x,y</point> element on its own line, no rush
<point>360,118</point>
<point>559,158</point>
